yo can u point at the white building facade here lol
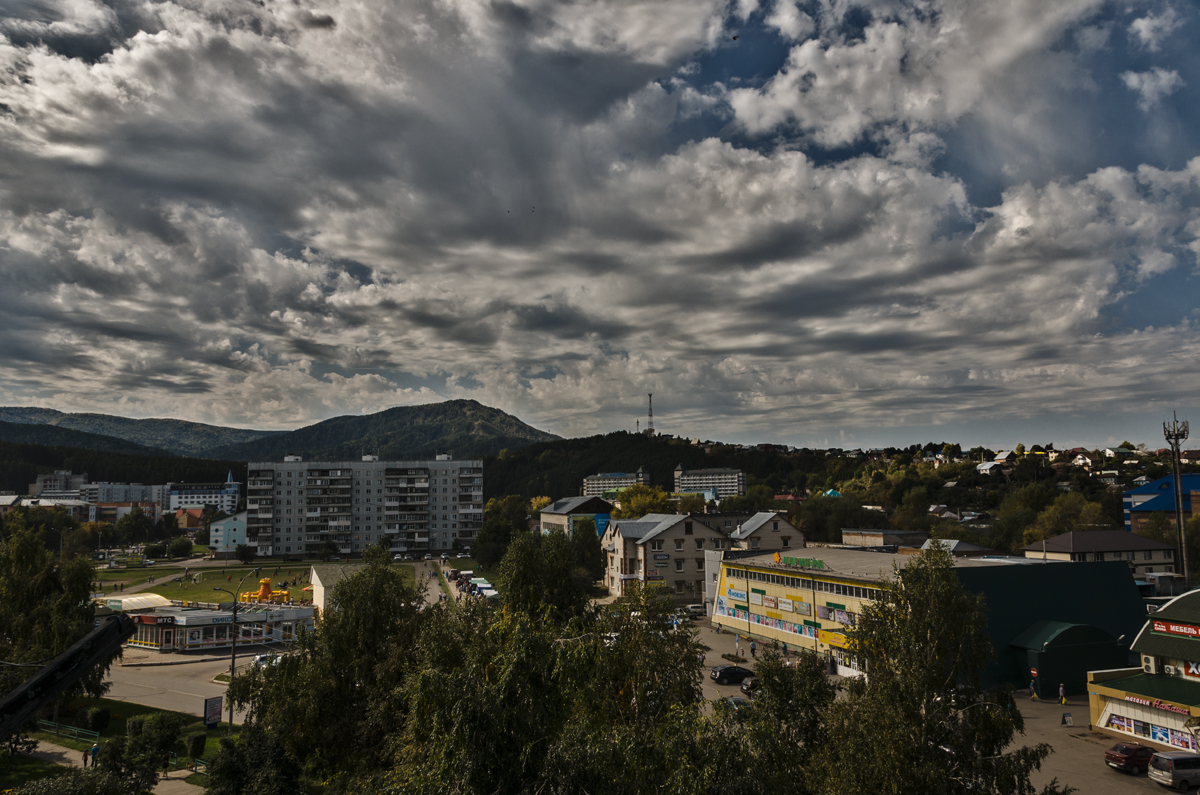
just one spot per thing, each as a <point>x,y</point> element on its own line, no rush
<point>596,485</point>
<point>726,482</point>
<point>295,507</point>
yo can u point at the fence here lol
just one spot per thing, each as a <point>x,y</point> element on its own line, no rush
<point>67,731</point>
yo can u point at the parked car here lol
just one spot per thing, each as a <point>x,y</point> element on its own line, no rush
<point>729,674</point>
<point>738,704</point>
<point>1175,769</point>
<point>262,660</point>
<point>461,555</point>
<point>398,556</point>
<point>1130,757</point>
<point>750,686</point>
<point>408,557</point>
<point>697,611</point>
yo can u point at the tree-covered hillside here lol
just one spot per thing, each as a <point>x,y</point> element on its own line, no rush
<point>65,437</point>
<point>463,428</point>
<point>20,464</point>
<point>178,437</point>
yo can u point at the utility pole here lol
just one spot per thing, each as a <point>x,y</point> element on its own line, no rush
<point>1175,433</point>
<point>234,636</point>
<point>650,419</point>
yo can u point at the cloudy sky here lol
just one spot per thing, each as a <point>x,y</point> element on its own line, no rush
<point>811,222</point>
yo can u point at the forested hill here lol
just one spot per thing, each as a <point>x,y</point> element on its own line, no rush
<point>66,437</point>
<point>177,437</point>
<point>557,469</point>
<point>463,428</point>
<point>20,464</point>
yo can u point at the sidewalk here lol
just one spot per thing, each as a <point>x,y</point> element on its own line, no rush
<point>173,784</point>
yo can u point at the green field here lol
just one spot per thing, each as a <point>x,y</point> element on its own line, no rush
<point>122,711</point>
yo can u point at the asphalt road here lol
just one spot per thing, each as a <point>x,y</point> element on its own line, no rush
<point>182,688</point>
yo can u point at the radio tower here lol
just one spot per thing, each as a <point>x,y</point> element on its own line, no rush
<point>650,419</point>
<point>1176,432</point>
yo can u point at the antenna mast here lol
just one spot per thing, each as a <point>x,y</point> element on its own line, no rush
<point>1174,433</point>
<point>650,419</point>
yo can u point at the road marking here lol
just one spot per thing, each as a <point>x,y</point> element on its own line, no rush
<point>162,689</point>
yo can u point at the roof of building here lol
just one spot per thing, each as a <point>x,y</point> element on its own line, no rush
<point>1097,541</point>
<point>957,547</point>
<point>142,601</point>
<point>756,521</point>
<point>865,565</point>
<point>1184,608</point>
<point>573,504</point>
<point>328,574</point>
<point>1163,688</point>
<point>9,499</point>
<point>719,471</point>
<point>652,524</point>
<point>1040,634</point>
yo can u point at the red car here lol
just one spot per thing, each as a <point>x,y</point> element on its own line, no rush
<point>1130,757</point>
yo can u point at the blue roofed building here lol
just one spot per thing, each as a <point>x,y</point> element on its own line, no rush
<point>1158,496</point>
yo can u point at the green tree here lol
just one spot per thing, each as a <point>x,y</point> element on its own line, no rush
<point>538,503</point>
<point>589,555</point>
<point>336,702</point>
<point>134,528</point>
<point>182,548</point>
<point>257,764</point>
<point>639,500</point>
<point>539,573</point>
<point>913,512</point>
<point>692,503</point>
<point>327,551</point>
<point>246,553</point>
<point>1068,513</point>
<point>1160,527</point>
<point>934,729</point>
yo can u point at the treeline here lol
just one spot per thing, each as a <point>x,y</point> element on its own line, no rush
<point>20,464</point>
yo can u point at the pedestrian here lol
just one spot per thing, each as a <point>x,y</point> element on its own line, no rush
<point>785,650</point>
<point>701,659</point>
<point>753,649</point>
<point>741,652</point>
<point>1062,694</point>
<point>85,759</point>
<point>166,765</point>
<point>95,753</point>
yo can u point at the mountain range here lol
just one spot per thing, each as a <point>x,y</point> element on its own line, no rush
<point>463,428</point>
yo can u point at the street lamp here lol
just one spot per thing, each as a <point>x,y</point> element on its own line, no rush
<point>233,638</point>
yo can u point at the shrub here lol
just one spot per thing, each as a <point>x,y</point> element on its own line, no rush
<point>195,744</point>
<point>180,548</point>
<point>156,550</point>
<point>134,726</point>
<point>97,719</point>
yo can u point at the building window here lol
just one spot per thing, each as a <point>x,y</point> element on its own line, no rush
<point>679,586</point>
<point>679,545</point>
<point>699,544</point>
<point>1148,555</point>
<point>787,541</point>
<point>679,565</point>
<point>1168,554</point>
<point>656,546</point>
<point>774,525</point>
<point>754,543</point>
<point>699,564</point>
<point>687,528</point>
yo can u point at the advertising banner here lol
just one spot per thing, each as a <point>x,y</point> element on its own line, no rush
<point>1171,628</point>
<point>824,613</point>
<point>756,598</point>
<point>212,711</point>
<point>803,608</point>
<point>785,605</point>
<point>733,593</point>
<point>770,601</point>
<point>661,556</point>
<point>843,617</point>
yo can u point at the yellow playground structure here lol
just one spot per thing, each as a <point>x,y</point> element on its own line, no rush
<point>265,594</point>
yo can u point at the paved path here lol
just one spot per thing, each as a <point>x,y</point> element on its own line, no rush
<point>173,784</point>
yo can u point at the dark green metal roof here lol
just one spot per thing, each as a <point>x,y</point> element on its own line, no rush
<point>1039,634</point>
<point>1159,645</point>
<point>1186,608</point>
<point>1167,688</point>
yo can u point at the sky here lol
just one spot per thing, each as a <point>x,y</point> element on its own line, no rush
<point>814,223</point>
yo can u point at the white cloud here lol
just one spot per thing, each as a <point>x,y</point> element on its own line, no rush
<point>787,17</point>
<point>1151,30</point>
<point>1152,85</point>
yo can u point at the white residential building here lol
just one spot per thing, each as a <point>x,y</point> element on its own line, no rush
<point>222,496</point>
<point>726,482</point>
<point>416,506</point>
<point>597,485</point>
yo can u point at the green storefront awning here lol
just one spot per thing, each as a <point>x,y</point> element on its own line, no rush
<point>1165,688</point>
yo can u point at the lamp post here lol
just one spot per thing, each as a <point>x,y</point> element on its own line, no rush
<point>233,637</point>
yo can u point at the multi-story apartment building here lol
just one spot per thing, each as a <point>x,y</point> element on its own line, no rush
<point>597,485</point>
<point>726,482</point>
<point>222,496</point>
<point>62,480</point>
<point>123,492</point>
<point>416,506</point>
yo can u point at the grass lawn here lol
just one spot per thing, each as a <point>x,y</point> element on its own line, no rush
<point>227,577</point>
<point>121,712</point>
<point>25,769</point>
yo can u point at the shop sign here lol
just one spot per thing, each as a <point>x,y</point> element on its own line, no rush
<point>1146,702</point>
<point>733,593</point>
<point>785,604</point>
<point>804,563</point>
<point>770,601</point>
<point>151,619</point>
<point>756,598</point>
<point>654,575</point>
<point>661,556</point>
<point>1191,669</point>
<point>223,620</point>
<point>661,565</point>
<point>1171,628</point>
<point>832,638</point>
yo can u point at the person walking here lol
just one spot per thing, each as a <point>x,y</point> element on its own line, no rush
<point>754,650</point>
<point>1062,694</point>
<point>785,650</point>
<point>85,759</point>
<point>1032,691</point>
<point>95,753</point>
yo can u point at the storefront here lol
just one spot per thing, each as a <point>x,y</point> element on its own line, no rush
<point>1159,703</point>
<point>187,629</point>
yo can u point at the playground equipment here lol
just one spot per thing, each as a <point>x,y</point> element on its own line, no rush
<point>266,594</point>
